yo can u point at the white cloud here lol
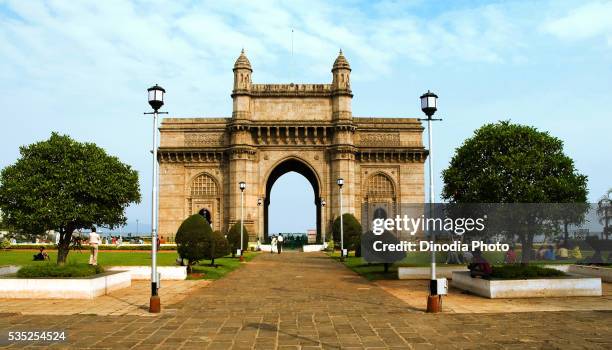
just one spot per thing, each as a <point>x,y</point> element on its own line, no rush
<point>585,22</point>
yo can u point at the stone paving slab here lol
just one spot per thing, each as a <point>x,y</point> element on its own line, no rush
<point>133,300</point>
<point>308,301</point>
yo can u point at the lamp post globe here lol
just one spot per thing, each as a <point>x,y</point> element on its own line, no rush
<point>242,185</point>
<point>340,182</point>
<point>429,103</point>
<point>156,97</point>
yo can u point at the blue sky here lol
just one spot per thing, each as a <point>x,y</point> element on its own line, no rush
<point>82,68</point>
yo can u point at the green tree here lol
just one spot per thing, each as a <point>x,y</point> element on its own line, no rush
<point>194,239</point>
<point>352,232</point>
<point>219,247</point>
<point>511,163</point>
<point>233,237</point>
<point>64,185</point>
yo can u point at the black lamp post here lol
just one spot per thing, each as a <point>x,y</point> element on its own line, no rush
<point>323,203</point>
<point>242,186</point>
<point>429,106</point>
<point>156,101</point>
<point>340,183</point>
<point>259,203</point>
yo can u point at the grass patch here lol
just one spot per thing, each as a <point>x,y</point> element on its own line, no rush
<point>222,267</point>
<point>64,271</point>
<point>518,271</point>
<point>115,258</point>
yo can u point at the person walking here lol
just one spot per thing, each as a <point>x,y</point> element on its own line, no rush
<point>273,244</point>
<point>94,241</point>
<point>279,244</point>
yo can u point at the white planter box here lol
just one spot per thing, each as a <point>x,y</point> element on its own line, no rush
<point>527,288</point>
<point>63,288</point>
<point>144,272</point>
<point>424,273</point>
<point>307,248</point>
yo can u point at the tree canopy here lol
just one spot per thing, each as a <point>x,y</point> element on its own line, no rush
<point>233,237</point>
<point>193,239</point>
<point>512,163</point>
<point>64,185</point>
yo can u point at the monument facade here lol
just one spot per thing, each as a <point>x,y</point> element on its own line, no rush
<point>278,128</point>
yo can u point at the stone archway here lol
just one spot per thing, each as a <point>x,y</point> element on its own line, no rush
<point>299,166</point>
<point>277,128</point>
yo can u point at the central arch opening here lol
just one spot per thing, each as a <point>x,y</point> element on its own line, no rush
<point>297,166</point>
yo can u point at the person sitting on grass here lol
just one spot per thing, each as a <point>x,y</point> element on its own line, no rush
<point>576,254</point>
<point>42,255</point>
<point>562,252</point>
<point>479,267</point>
<point>549,254</point>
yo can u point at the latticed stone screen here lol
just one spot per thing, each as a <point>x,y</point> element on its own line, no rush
<point>379,185</point>
<point>203,185</point>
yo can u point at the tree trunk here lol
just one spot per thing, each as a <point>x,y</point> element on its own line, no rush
<point>566,238</point>
<point>526,248</point>
<point>63,247</point>
<point>386,267</point>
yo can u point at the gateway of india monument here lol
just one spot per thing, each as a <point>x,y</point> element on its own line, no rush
<point>278,128</point>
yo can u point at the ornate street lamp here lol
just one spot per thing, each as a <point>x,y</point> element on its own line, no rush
<point>156,101</point>
<point>242,185</point>
<point>340,183</point>
<point>429,106</point>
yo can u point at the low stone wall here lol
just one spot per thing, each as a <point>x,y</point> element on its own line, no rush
<point>424,273</point>
<point>63,288</point>
<point>527,288</point>
<point>144,272</point>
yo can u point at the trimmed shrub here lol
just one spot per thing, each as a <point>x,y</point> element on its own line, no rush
<point>101,247</point>
<point>352,233</point>
<point>219,247</point>
<point>54,270</point>
<point>193,239</point>
<point>521,271</point>
<point>5,244</point>
<point>233,237</point>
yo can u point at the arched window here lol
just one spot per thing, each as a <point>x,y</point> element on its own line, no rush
<point>203,186</point>
<point>380,185</point>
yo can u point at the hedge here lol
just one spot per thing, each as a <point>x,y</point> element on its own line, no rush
<point>85,246</point>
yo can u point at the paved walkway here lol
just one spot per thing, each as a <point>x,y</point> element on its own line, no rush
<point>308,301</point>
<point>133,300</point>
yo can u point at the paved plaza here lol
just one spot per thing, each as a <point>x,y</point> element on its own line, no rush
<point>309,301</point>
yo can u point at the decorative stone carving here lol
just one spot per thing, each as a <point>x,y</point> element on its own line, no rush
<point>380,139</point>
<point>203,139</point>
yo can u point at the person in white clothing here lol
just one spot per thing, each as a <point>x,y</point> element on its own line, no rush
<point>273,244</point>
<point>94,241</point>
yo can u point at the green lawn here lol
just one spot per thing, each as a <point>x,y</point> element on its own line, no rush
<point>120,258</point>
